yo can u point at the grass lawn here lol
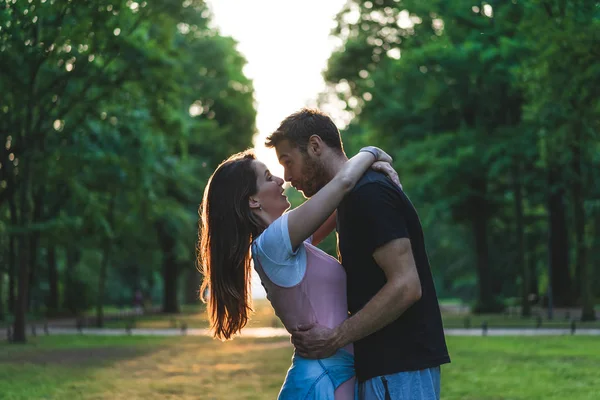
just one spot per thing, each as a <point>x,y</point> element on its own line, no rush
<point>123,368</point>
<point>88,367</point>
<point>514,321</point>
<point>563,367</point>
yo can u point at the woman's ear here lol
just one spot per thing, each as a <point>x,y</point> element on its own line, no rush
<point>254,203</point>
<point>315,145</point>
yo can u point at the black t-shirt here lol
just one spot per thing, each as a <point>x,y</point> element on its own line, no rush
<point>373,214</point>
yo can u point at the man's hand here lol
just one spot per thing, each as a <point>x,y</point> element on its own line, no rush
<point>314,341</point>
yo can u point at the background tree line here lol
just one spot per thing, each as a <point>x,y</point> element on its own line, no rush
<point>112,116</point>
<point>114,113</point>
<point>492,114</point>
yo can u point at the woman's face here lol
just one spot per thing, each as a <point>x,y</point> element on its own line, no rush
<point>270,192</point>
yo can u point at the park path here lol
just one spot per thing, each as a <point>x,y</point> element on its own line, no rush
<point>68,326</point>
<point>280,332</point>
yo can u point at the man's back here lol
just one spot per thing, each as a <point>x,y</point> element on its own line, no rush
<point>373,214</point>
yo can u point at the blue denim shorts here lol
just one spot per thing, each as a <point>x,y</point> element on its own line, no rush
<point>413,385</point>
<point>317,379</point>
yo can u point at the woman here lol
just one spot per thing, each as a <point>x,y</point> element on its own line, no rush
<point>244,219</point>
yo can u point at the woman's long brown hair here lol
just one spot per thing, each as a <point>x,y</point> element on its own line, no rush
<point>226,230</point>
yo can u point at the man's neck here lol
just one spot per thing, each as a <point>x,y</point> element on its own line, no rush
<point>334,163</point>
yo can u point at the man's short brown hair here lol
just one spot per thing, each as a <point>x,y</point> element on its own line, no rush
<point>301,125</point>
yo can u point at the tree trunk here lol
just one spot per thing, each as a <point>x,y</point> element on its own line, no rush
<point>532,262</point>
<point>582,269</point>
<point>479,226</point>
<point>520,237</point>
<point>34,239</point>
<point>73,256</point>
<point>483,271</point>
<point>12,259</point>
<point>33,243</point>
<point>53,300</point>
<point>104,265</point>
<point>19,335</point>
<point>193,281</point>
<point>169,269</point>
<point>558,246</point>
<point>587,299</point>
<point>102,285</point>
<point>2,273</point>
<point>596,252</point>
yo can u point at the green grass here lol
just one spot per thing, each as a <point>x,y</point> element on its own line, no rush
<point>451,301</point>
<point>124,368</point>
<point>514,321</point>
<point>61,367</point>
<point>130,367</point>
<point>59,342</point>
<point>522,368</point>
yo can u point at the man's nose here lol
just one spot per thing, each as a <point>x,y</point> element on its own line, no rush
<point>287,176</point>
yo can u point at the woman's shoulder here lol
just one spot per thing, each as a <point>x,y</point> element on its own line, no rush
<point>274,241</point>
<point>274,231</point>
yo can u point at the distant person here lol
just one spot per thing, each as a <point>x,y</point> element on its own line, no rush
<point>243,218</point>
<point>395,324</point>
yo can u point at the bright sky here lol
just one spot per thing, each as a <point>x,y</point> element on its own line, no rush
<point>286,44</point>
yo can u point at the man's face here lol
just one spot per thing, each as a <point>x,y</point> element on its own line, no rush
<point>305,173</point>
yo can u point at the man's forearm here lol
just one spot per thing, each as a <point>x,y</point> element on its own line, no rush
<point>385,307</point>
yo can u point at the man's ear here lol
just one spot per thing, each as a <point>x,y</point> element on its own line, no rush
<point>254,203</point>
<point>315,145</point>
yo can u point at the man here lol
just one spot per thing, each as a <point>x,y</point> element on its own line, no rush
<point>395,321</point>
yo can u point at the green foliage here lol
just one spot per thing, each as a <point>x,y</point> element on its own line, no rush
<point>478,102</point>
<point>118,111</point>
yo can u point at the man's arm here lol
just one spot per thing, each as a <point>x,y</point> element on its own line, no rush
<point>378,212</point>
<point>402,289</point>
<point>324,230</point>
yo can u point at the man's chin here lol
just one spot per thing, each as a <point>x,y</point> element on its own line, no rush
<point>302,191</point>
<point>307,194</point>
<point>310,192</point>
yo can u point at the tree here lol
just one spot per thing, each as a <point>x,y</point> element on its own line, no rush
<point>557,78</point>
<point>424,72</point>
<point>113,114</point>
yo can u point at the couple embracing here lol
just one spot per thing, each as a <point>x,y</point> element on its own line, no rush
<point>365,326</point>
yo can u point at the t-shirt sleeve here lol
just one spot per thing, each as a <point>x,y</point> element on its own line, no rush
<point>275,242</point>
<point>280,262</point>
<point>379,211</point>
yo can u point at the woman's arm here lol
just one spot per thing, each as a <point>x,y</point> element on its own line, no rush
<point>329,225</point>
<point>306,219</point>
